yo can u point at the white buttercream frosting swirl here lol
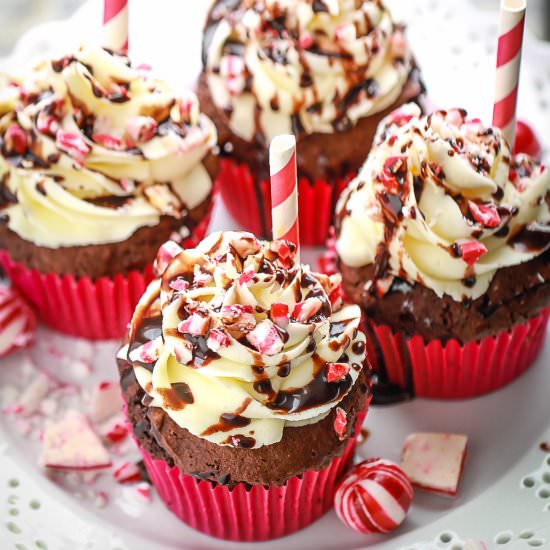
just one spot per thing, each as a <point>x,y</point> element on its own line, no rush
<point>93,149</point>
<point>236,341</point>
<point>278,66</point>
<point>442,202</point>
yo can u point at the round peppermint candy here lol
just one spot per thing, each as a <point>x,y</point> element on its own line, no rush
<point>374,497</point>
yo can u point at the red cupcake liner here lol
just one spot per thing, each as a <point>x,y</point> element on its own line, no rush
<point>243,513</point>
<point>451,371</point>
<point>249,514</point>
<point>249,202</point>
<point>94,309</point>
<point>454,371</point>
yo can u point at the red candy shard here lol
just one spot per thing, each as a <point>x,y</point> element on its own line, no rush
<point>336,371</point>
<point>266,338</point>
<point>108,141</point>
<point>280,314</point>
<point>487,216</point>
<point>71,444</point>
<point>166,253</point>
<point>195,324</point>
<point>471,251</point>
<point>340,423</point>
<point>303,311</point>
<point>179,284</point>
<point>527,141</point>
<point>17,321</point>
<point>116,433</point>
<point>393,166</point>
<point>305,40</point>
<point>143,492</point>
<point>73,144</point>
<point>127,472</point>
<point>246,277</point>
<point>217,339</point>
<point>374,497</point>
<point>15,139</point>
<point>434,461</point>
<point>284,253</point>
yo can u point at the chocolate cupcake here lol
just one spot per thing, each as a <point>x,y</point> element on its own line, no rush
<point>327,72</point>
<point>443,240</point>
<point>99,165</point>
<point>243,379</point>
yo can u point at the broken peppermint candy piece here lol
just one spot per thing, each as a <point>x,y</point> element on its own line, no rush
<point>340,423</point>
<point>280,314</point>
<point>195,325</point>
<point>434,461</point>
<point>71,444</point>
<point>470,251</point>
<point>266,338</point>
<point>73,144</point>
<point>15,140</point>
<point>238,317</point>
<point>141,128</point>
<point>217,339</point>
<point>336,371</point>
<point>148,352</point>
<point>105,401</point>
<point>304,311</point>
<point>166,253</point>
<point>487,216</point>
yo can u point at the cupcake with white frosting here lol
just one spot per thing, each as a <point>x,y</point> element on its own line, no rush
<point>443,239</point>
<point>100,163</point>
<point>326,71</point>
<point>243,379</point>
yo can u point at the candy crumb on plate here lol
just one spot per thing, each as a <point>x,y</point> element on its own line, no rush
<point>71,444</point>
<point>434,461</point>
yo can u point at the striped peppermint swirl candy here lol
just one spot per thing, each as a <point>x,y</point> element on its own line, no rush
<point>17,321</point>
<point>115,25</point>
<point>374,497</point>
<point>510,42</point>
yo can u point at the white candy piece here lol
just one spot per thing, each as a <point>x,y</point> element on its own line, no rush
<point>434,461</point>
<point>105,401</point>
<point>33,395</point>
<point>71,444</point>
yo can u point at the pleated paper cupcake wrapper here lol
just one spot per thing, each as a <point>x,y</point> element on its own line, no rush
<point>248,514</point>
<point>97,309</point>
<point>249,202</point>
<point>454,371</point>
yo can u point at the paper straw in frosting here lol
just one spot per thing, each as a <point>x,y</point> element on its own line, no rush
<point>115,25</point>
<point>284,189</point>
<point>510,42</point>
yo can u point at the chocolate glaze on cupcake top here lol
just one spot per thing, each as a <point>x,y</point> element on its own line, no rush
<point>236,341</point>
<point>282,66</point>
<point>442,202</point>
<point>93,149</point>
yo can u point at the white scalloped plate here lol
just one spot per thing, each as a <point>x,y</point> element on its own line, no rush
<point>504,499</point>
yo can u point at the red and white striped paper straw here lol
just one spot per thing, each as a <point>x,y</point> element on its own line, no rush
<point>284,189</point>
<point>115,25</point>
<point>510,42</point>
